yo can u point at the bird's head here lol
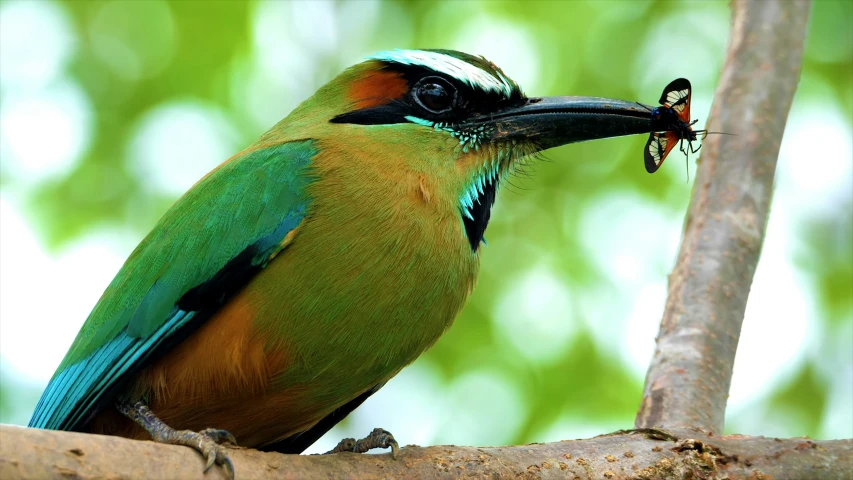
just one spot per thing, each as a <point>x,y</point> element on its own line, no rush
<point>449,124</point>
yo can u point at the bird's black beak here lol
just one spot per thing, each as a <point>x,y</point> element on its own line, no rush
<point>553,121</point>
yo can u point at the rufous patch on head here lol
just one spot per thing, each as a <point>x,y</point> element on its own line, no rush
<point>377,88</point>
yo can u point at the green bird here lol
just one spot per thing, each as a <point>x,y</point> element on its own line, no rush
<point>295,279</point>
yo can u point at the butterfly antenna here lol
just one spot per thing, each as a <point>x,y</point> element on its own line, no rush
<point>705,133</point>
<point>644,107</point>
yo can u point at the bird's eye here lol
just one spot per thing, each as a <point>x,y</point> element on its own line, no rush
<point>434,94</point>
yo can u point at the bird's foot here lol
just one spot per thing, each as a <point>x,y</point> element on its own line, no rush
<point>378,438</point>
<point>207,442</point>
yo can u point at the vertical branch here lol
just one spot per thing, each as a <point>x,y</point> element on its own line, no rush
<point>687,384</point>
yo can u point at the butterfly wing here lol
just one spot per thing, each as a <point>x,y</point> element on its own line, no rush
<point>676,95</point>
<point>657,148</point>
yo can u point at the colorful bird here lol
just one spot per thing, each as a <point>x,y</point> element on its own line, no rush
<point>672,120</point>
<point>295,279</point>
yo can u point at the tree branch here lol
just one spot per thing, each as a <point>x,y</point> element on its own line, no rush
<point>651,454</point>
<point>688,381</point>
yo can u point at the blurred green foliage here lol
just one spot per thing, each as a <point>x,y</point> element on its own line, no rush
<point>132,56</point>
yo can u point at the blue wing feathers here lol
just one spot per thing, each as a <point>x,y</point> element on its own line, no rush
<point>232,222</point>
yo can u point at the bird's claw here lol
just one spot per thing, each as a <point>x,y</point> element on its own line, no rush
<point>219,436</point>
<point>208,443</point>
<point>378,438</point>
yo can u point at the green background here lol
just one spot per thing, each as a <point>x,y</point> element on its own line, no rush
<point>555,341</point>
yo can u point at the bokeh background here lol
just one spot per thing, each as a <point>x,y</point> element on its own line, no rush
<point>111,109</point>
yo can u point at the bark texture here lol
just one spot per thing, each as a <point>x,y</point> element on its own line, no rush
<point>687,384</point>
<point>646,455</point>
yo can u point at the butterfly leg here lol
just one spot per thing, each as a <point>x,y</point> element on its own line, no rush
<point>697,148</point>
<point>207,442</point>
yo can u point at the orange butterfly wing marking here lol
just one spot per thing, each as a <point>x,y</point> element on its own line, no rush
<point>659,146</point>
<point>668,141</point>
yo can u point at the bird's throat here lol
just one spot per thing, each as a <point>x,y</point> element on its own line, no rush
<point>476,208</point>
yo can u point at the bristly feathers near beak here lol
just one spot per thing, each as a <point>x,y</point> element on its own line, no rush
<point>505,136</point>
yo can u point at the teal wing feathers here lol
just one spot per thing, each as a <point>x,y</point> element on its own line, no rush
<point>204,249</point>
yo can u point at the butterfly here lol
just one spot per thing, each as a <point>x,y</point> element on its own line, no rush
<point>673,125</point>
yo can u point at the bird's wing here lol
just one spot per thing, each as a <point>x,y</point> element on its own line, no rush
<point>204,250</point>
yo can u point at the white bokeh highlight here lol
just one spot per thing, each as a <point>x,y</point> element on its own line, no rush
<point>410,405</point>
<point>483,408</point>
<point>177,143</point>
<point>773,336</point>
<point>37,40</point>
<point>817,174</point>
<point>633,241</point>
<point>507,45</point>
<point>686,43</point>
<point>46,297</point>
<point>44,132</point>
<point>289,42</point>
<point>536,316</point>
